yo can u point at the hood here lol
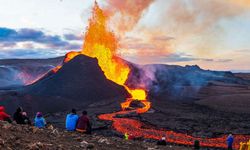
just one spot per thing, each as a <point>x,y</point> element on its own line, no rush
<point>1,108</point>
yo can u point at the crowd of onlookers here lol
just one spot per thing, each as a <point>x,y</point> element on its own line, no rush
<point>21,117</point>
<point>75,123</point>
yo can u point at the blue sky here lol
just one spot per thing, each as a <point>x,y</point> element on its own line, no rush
<point>213,34</point>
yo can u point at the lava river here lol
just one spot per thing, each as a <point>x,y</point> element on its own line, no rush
<point>141,130</point>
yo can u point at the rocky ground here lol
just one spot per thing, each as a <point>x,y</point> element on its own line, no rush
<point>20,137</point>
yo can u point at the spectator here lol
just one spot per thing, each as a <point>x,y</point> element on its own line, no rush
<point>196,144</point>
<point>18,117</point>
<point>26,118</point>
<point>83,124</point>
<point>230,140</point>
<point>39,120</point>
<point>3,115</point>
<point>162,141</point>
<point>71,120</point>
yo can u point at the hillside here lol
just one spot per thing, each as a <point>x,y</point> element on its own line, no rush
<point>21,137</point>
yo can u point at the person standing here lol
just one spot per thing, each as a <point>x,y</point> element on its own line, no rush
<point>162,141</point>
<point>230,140</point>
<point>83,124</point>
<point>71,120</point>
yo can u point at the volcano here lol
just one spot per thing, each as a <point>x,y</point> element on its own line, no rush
<point>81,79</point>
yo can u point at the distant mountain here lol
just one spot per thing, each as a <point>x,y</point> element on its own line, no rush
<point>240,71</point>
<point>27,62</point>
<point>19,72</point>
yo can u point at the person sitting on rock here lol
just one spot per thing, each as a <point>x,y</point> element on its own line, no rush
<point>18,116</point>
<point>71,120</point>
<point>83,124</point>
<point>39,120</point>
<point>26,118</point>
<point>4,116</point>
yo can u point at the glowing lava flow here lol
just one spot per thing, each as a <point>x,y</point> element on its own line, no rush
<point>138,130</point>
<point>137,94</point>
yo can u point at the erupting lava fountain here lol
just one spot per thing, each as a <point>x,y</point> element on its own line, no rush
<point>102,44</point>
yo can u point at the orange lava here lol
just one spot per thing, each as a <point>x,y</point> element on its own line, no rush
<point>56,69</point>
<point>138,129</point>
<point>146,104</point>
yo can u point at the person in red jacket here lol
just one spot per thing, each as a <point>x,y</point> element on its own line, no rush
<point>3,115</point>
<point>83,124</point>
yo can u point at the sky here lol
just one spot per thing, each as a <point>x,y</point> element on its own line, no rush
<point>214,34</point>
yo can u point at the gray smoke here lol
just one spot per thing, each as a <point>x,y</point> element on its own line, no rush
<point>177,81</point>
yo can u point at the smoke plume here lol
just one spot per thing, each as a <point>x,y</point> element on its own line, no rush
<point>126,13</point>
<point>194,25</point>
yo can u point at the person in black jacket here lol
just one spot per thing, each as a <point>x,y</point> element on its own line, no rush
<point>18,116</point>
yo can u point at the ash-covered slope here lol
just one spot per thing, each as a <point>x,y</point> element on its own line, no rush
<point>81,79</point>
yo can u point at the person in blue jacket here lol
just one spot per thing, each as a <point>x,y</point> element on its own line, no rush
<point>71,120</point>
<point>39,120</point>
<point>230,140</point>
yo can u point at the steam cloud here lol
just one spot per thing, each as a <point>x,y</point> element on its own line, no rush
<point>244,3</point>
<point>126,13</point>
<point>186,20</point>
<point>200,16</point>
<point>194,24</point>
